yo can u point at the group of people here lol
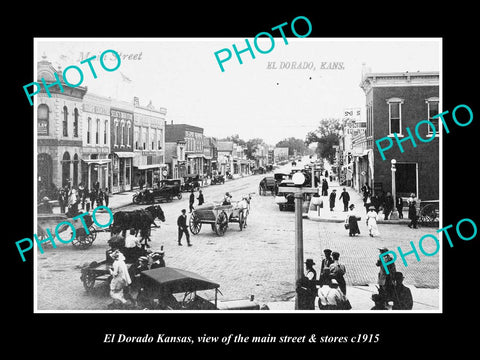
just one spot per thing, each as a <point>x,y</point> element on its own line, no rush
<point>191,201</point>
<point>70,198</point>
<point>330,286</point>
<point>331,290</point>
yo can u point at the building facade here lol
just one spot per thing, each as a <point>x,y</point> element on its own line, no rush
<point>193,138</point>
<point>121,146</point>
<point>149,144</point>
<point>59,131</point>
<point>225,157</point>
<point>280,154</point>
<point>96,165</point>
<point>395,101</point>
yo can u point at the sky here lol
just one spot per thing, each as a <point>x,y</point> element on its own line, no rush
<point>249,99</point>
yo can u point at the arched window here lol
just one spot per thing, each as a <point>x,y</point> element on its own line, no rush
<point>97,134</point>
<point>105,133</point>
<point>89,129</point>
<point>65,121</point>
<point>42,119</point>
<point>75,123</point>
<point>66,169</point>
<point>75,171</point>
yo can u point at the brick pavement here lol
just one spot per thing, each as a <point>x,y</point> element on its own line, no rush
<point>258,261</point>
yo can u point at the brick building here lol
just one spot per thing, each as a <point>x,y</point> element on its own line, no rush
<point>395,101</point>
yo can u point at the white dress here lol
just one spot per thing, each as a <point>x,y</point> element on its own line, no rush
<point>372,223</point>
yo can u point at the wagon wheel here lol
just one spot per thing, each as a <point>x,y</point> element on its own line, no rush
<point>179,196</point>
<point>83,241</point>
<point>259,190</point>
<point>135,199</point>
<point>221,223</point>
<point>93,231</point>
<point>241,220</point>
<point>428,214</point>
<point>88,280</point>
<point>195,224</point>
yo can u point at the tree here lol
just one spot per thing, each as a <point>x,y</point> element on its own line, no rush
<point>293,145</point>
<point>235,139</point>
<point>326,136</point>
<point>252,146</point>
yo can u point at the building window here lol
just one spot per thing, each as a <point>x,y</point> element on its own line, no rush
<point>89,129</point>
<point>42,119</point>
<point>115,132</point>
<point>160,138</point>
<point>105,133</point>
<point>65,121</point>
<point>432,110</point>
<point>135,136</point>
<point>75,123</point>
<point>128,133</point>
<point>97,133</point>
<point>122,133</point>
<point>395,115</point>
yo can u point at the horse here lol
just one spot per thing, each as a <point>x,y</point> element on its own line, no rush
<point>138,220</point>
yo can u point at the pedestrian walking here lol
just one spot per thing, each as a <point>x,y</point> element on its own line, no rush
<point>352,220</point>
<point>183,228</point>
<point>337,272</point>
<point>387,205</point>
<point>200,198</point>
<point>324,187</point>
<point>106,196</point>
<point>100,198</point>
<point>345,196</point>
<point>325,267</point>
<point>332,197</point>
<point>372,222</point>
<point>403,299</point>
<point>399,206</point>
<point>191,201</point>
<point>120,278</point>
<point>386,281</point>
<point>367,200</point>
<point>93,198</point>
<point>412,211</point>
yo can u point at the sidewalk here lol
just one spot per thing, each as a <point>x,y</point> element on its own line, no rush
<point>338,215</point>
<point>424,300</point>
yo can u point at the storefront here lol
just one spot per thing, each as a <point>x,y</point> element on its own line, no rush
<point>121,177</point>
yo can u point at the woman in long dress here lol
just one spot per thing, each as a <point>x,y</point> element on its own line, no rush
<point>352,220</point>
<point>120,277</point>
<point>372,222</point>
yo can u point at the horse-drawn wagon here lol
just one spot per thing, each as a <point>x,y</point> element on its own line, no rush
<point>268,184</point>
<point>81,239</point>
<point>219,216</point>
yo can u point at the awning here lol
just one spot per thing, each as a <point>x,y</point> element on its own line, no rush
<point>195,155</point>
<point>125,154</point>
<point>151,166</point>
<point>97,161</point>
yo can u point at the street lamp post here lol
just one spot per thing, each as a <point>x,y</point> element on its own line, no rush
<point>298,179</point>
<point>394,215</point>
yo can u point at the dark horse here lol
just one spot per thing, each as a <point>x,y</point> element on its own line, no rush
<point>140,220</point>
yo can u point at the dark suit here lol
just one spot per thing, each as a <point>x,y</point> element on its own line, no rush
<point>182,228</point>
<point>346,198</point>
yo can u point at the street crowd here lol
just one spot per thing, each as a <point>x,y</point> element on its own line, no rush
<point>331,290</point>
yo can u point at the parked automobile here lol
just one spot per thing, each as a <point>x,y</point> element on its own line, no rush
<point>167,190</point>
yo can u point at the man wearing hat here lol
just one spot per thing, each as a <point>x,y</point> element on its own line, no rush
<point>330,297</point>
<point>333,194</point>
<point>325,267</point>
<point>307,287</point>
<point>386,281</point>
<point>403,299</point>
<point>183,228</point>
<point>345,196</point>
